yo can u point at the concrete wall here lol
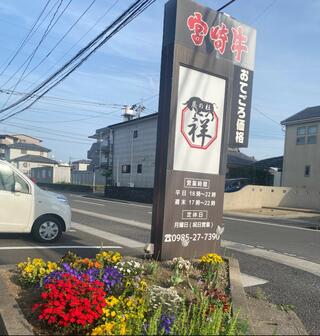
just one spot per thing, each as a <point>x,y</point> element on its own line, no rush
<point>85,178</point>
<point>253,196</point>
<point>297,157</point>
<point>62,174</point>
<point>128,150</point>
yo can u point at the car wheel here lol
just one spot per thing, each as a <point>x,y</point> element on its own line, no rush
<point>47,229</point>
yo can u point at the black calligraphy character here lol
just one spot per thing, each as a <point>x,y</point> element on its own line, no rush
<point>203,131</point>
<point>193,129</point>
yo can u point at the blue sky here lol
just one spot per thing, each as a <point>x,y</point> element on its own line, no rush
<point>127,68</point>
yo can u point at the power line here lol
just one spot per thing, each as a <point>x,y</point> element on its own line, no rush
<point>55,139</point>
<point>21,66</point>
<point>50,26</point>
<point>25,39</point>
<point>225,5</point>
<point>266,116</point>
<point>137,8</point>
<point>49,131</point>
<point>264,11</point>
<point>75,44</point>
<point>64,100</point>
<point>61,39</point>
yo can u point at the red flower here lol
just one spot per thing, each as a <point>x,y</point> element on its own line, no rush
<point>71,301</point>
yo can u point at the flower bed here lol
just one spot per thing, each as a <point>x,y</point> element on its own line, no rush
<point>112,295</point>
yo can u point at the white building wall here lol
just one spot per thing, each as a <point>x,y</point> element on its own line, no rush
<point>62,174</point>
<point>128,150</point>
<point>13,153</point>
<point>297,157</point>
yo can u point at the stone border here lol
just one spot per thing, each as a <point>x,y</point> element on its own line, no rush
<point>239,300</point>
<point>12,320</point>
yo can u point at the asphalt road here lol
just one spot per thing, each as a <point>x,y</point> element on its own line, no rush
<point>293,279</point>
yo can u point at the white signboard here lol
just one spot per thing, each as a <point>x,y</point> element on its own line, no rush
<point>199,122</point>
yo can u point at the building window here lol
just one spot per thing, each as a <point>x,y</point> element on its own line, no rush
<point>135,133</point>
<point>125,169</point>
<point>312,135</point>
<point>307,135</point>
<point>23,151</point>
<point>301,135</point>
<point>139,169</point>
<point>307,170</point>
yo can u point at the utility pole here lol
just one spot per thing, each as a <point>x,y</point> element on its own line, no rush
<point>100,142</point>
<point>131,163</point>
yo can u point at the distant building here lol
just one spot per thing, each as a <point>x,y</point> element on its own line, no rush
<point>25,152</point>
<point>52,174</point>
<point>19,149</point>
<point>128,150</point>
<point>80,165</point>
<point>27,139</point>
<point>273,167</point>
<point>301,163</point>
<point>27,162</point>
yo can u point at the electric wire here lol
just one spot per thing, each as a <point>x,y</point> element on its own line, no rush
<point>51,25</point>
<point>21,66</point>
<point>225,5</point>
<point>60,40</point>
<point>25,40</point>
<point>119,23</point>
<point>75,44</point>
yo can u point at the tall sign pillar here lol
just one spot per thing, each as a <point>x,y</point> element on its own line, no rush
<point>204,106</point>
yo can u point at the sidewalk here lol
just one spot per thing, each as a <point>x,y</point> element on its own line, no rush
<point>276,213</point>
<point>269,319</point>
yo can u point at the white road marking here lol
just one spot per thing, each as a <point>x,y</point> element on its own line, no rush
<point>109,236</point>
<point>270,224</point>
<point>51,247</point>
<point>91,203</point>
<point>249,281</point>
<point>129,222</point>
<point>280,258</point>
<point>71,230</point>
<point>109,201</point>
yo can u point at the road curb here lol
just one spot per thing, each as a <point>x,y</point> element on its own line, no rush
<point>239,300</point>
<point>12,320</point>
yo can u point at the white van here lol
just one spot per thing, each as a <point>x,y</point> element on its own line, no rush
<point>24,207</point>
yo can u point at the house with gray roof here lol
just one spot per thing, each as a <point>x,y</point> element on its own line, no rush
<point>301,161</point>
<point>25,152</point>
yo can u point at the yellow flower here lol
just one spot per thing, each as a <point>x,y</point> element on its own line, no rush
<point>104,329</point>
<point>111,301</point>
<point>211,258</point>
<point>113,314</point>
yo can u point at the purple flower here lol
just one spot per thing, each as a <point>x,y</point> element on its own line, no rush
<point>166,323</point>
<point>93,274</point>
<point>57,275</point>
<point>111,277</point>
